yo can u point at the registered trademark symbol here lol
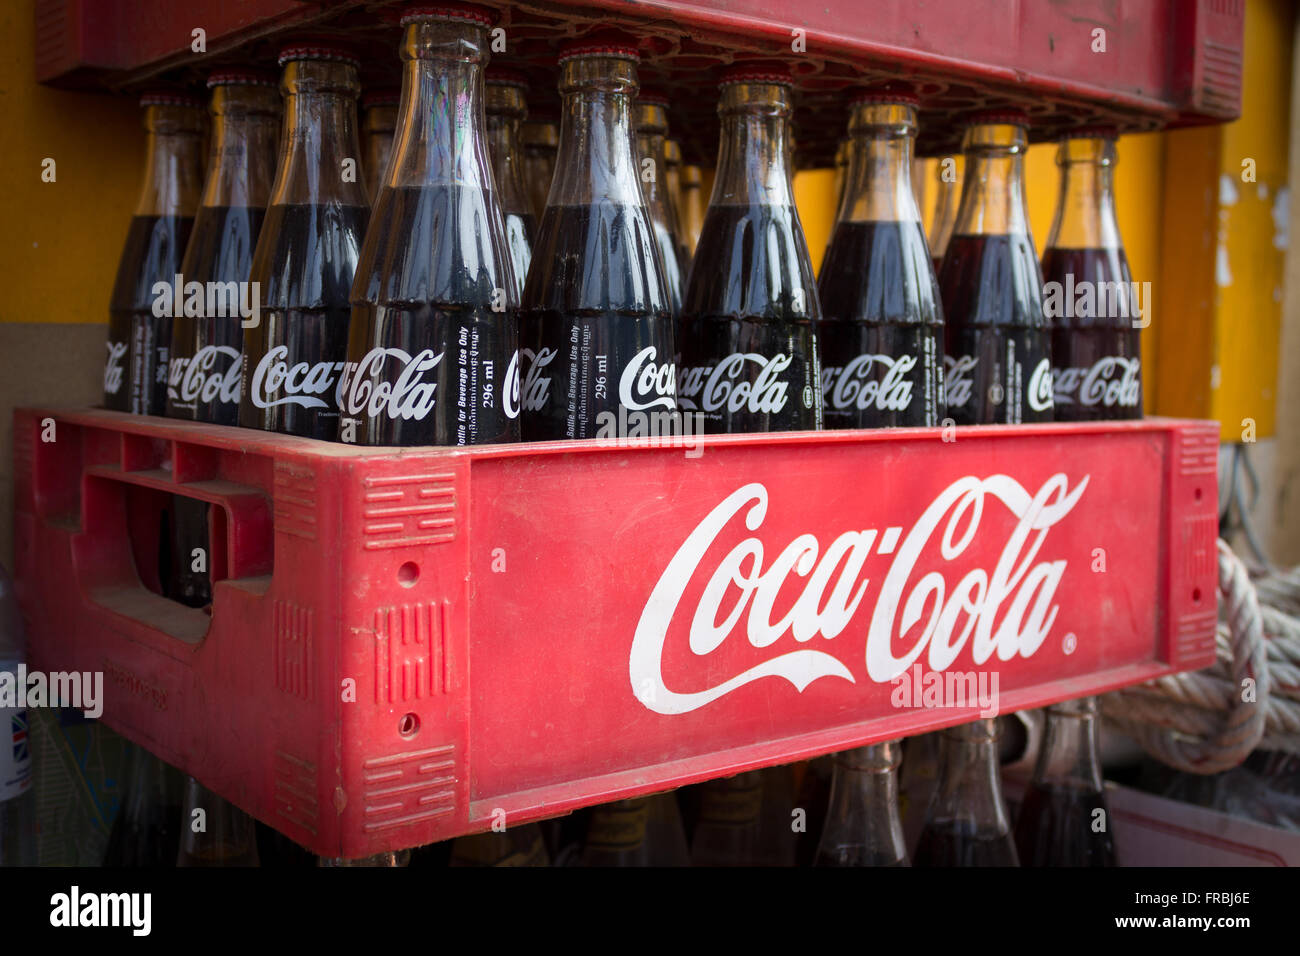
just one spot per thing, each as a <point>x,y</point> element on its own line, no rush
<point>1069,643</point>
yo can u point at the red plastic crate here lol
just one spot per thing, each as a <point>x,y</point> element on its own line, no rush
<point>1166,62</point>
<point>523,626</point>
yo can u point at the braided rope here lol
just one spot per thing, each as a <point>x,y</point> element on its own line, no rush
<point>1205,721</point>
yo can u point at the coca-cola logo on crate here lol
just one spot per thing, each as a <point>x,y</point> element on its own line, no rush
<point>1006,609</point>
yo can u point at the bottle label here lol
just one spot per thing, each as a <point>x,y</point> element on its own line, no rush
<point>277,382</point>
<point>15,750</point>
<point>1113,382</point>
<point>728,803</point>
<point>463,389</point>
<point>874,377</point>
<point>211,375</point>
<point>619,827</point>
<point>730,385</point>
<point>1000,376</point>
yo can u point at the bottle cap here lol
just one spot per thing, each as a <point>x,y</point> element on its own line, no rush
<point>757,73</point>
<point>242,77</point>
<point>1092,131</point>
<point>901,93</point>
<point>1010,116</point>
<point>319,51</point>
<point>505,76</point>
<point>590,47</point>
<point>381,96</point>
<point>652,96</point>
<point>164,96</point>
<point>449,11</point>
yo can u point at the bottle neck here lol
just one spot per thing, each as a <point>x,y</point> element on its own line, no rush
<point>1085,207</point>
<point>970,787</point>
<point>752,153</point>
<point>947,193</point>
<point>596,158</point>
<point>1069,752</point>
<point>863,808</point>
<point>878,179</point>
<point>441,134</point>
<point>319,150</point>
<point>505,114</point>
<point>652,144</point>
<point>173,163</point>
<point>241,169</point>
<point>993,187</point>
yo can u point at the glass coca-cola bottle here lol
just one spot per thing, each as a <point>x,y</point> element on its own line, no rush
<point>740,820</point>
<point>597,335</point>
<point>862,826</point>
<point>673,185</point>
<point>747,335</point>
<point>692,208</point>
<point>207,344</point>
<point>1064,820</point>
<point>516,846</point>
<point>140,322</point>
<point>213,831</point>
<point>1087,289</point>
<point>943,211</point>
<point>147,828</point>
<point>881,331</point>
<point>540,135</point>
<point>643,831</point>
<point>998,343</point>
<point>378,120</point>
<point>203,380</point>
<point>307,251</point>
<point>651,145</point>
<point>435,308</point>
<point>917,782</point>
<point>506,109</point>
<point>967,820</point>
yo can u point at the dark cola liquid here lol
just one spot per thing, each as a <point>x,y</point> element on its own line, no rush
<point>430,362</point>
<point>135,369</point>
<point>305,261</point>
<point>203,379</point>
<point>748,349</point>
<point>596,336</point>
<point>881,333</point>
<point>1096,356</point>
<point>997,342</point>
<point>1055,828</point>
<point>957,843</point>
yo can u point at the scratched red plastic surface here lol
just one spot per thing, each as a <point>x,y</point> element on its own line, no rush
<point>403,641</point>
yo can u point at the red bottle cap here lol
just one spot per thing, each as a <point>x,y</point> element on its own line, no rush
<point>381,96</point>
<point>1092,131</point>
<point>757,73</point>
<point>319,51</point>
<point>653,96</point>
<point>449,11</point>
<point>242,77</point>
<point>163,96</point>
<point>505,76</point>
<point>902,93</point>
<point>986,117</point>
<point>590,47</point>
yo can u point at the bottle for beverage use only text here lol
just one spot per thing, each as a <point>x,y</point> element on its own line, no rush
<point>881,331</point>
<point>1063,819</point>
<point>1088,290</point>
<point>307,251</point>
<point>435,306</point>
<point>747,335</point>
<point>862,826</point>
<point>652,170</point>
<point>506,108</point>
<point>967,820</point>
<point>140,323</point>
<point>998,343</point>
<point>596,338</point>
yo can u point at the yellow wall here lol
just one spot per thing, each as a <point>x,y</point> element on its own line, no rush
<point>60,241</point>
